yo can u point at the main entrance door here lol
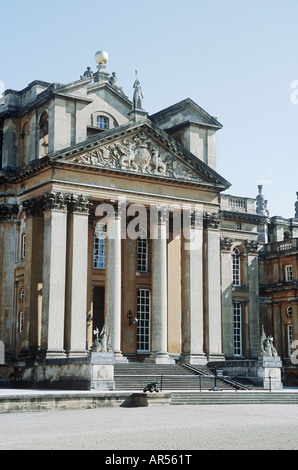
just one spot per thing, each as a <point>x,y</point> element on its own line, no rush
<point>98,308</point>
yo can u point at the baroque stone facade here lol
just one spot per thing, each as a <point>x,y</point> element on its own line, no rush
<point>109,216</point>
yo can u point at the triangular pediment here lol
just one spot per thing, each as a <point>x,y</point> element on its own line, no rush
<point>143,150</point>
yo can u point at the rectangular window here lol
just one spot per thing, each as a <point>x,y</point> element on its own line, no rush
<point>23,247</point>
<point>236,267</point>
<point>142,254</point>
<point>99,247</point>
<point>289,273</point>
<point>102,122</point>
<point>237,329</point>
<point>144,320</point>
<point>290,340</point>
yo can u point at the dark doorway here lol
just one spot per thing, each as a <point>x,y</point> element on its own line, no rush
<point>98,308</point>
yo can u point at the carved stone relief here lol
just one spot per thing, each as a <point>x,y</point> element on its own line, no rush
<point>138,154</point>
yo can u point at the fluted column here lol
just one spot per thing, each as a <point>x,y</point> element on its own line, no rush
<point>77,275</point>
<point>159,332</point>
<point>192,291</point>
<point>54,269</point>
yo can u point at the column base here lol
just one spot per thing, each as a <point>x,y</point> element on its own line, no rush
<point>118,357</point>
<point>78,353</point>
<point>50,354</point>
<point>195,359</point>
<point>160,359</point>
<point>214,357</point>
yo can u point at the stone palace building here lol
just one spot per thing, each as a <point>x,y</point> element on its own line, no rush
<point>112,219</point>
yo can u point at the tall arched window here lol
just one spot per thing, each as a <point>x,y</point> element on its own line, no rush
<point>236,267</point>
<point>25,144</point>
<point>43,135</point>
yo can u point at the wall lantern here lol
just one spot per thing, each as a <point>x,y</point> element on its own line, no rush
<point>130,319</point>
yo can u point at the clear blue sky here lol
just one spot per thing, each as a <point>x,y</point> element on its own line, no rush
<point>236,59</point>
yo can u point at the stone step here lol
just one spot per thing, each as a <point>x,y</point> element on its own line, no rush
<point>226,398</point>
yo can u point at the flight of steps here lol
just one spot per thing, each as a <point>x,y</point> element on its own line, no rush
<point>135,376</point>
<point>234,398</point>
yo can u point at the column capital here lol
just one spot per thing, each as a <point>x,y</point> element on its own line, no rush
<point>118,205</point>
<point>226,244</point>
<point>211,220</point>
<point>8,212</point>
<point>78,203</point>
<point>55,200</point>
<point>252,246</point>
<point>33,207</point>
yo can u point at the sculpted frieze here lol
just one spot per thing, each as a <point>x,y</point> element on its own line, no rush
<point>138,154</point>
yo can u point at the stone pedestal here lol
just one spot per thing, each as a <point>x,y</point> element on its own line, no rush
<point>102,371</point>
<point>269,372</point>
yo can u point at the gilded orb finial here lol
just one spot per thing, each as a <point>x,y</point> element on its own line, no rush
<point>101,57</point>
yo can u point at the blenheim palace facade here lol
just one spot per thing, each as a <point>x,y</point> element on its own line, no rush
<point>116,221</point>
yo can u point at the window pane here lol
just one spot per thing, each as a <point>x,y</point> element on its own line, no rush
<point>142,255</point>
<point>236,267</point>
<point>237,329</point>
<point>102,122</point>
<point>99,247</point>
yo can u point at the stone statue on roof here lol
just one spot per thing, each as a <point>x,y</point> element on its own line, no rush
<point>138,95</point>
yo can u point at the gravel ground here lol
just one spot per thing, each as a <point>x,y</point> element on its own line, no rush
<point>200,427</point>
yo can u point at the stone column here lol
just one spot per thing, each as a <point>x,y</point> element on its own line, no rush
<point>159,329</point>
<point>33,270</point>
<point>77,276</point>
<point>192,292</point>
<point>212,298</point>
<point>54,270</point>
<point>113,281</point>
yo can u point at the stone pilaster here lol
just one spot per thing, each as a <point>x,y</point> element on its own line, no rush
<point>212,298</point>
<point>192,292</point>
<point>54,274</point>
<point>77,275</point>
<point>8,223</point>
<point>226,295</point>
<point>33,270</point>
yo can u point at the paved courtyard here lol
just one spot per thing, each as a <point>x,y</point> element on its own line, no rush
<point>209,427</point>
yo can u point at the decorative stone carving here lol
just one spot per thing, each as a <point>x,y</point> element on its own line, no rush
<point>226,243</point>
<point>138,154</point>
<point>100,344</point>
<point>55,201</point>
<point>8,212</point>
<point>79,203</point>
<point>267,348</point>
<point>261,208</point>
<point>33,207</point>
<point>137,96</point>
<point>252,246</point>
<point>211,220</point>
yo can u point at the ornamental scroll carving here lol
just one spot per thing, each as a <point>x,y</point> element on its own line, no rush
<point>138,154</point>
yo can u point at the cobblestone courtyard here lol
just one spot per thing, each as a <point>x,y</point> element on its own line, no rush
<point>200,427</point>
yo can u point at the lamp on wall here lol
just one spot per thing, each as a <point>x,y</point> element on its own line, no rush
<point>130,319</point>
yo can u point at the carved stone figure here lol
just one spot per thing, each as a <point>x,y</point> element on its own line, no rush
<point>101,342</point>
<point>160,166</point>
<point>138,154</point>
<point>267,347</point>
<point>137,96</point>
